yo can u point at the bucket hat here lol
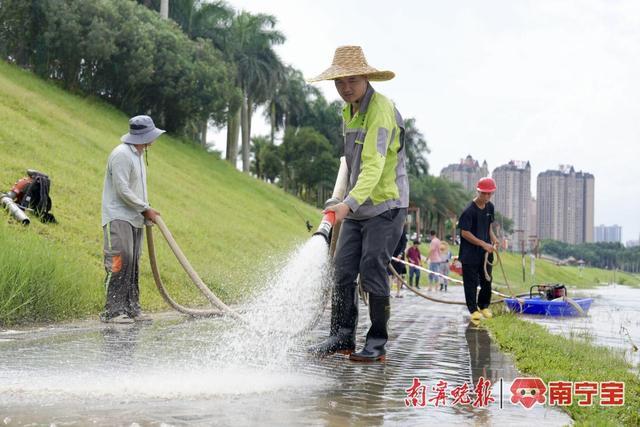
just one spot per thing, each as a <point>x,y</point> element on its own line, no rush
<point>142,130</point>
<point>350,61</point>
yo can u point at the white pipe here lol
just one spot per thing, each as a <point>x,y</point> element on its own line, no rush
<point>341,180</point>
<point>425,269</point>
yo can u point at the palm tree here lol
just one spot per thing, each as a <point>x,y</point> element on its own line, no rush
<point>209,21</point>
<point>439,200</point>
<point>289,100</point>
<point>250,48</point>
<point>416,149</point>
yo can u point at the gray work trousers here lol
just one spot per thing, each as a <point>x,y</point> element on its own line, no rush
<point>365,247</point>
<point>122,248</point>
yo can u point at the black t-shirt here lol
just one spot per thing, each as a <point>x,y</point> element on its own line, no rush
<point>478,222</point>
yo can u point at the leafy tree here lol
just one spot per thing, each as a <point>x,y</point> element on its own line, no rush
<point>124,53</point>
<point>267,162</point>
<point>440,201</point>
<point>504,223</point>
<point>602,254</point>
<point>323,116</point>
<point>310,167</point>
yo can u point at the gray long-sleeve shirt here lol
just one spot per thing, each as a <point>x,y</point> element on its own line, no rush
<point>124,195</point>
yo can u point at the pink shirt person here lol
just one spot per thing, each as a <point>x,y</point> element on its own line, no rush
<point>434,250</point>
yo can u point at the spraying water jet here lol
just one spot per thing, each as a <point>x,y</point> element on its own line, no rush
<point>328,229</point>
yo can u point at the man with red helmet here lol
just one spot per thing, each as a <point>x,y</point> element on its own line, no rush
<point>478,238</point>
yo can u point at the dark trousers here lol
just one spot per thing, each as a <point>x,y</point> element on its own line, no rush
<point>414,272</point>
<point>473,276</point>
<point>122,247</point>
<point>365,247</point>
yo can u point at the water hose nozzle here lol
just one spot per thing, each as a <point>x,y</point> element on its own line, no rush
<point>324,229</point>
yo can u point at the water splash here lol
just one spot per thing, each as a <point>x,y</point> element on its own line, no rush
<point>204,357</point>
<point>282,311</point>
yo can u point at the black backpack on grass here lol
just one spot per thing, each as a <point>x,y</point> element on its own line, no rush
<point>36,196</point>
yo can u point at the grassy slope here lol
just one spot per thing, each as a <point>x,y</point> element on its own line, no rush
<point>228,224</point>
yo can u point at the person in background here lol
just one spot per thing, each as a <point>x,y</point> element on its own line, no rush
<point>125,207</point>
<point>398,266</point>
<point>478,238</point>
<point>445,255</point>
<point>434,260</point>
<point>415,259</point>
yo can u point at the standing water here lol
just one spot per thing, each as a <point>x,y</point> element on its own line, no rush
<point>177,371</point>
<point>611,321</point>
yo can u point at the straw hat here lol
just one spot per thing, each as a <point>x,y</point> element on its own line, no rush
<point>350,61</point>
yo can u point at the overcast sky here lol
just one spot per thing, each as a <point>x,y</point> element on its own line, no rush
<point>553,82</point>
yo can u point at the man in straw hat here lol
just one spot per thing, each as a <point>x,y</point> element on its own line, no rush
<point>124,209</point>
<point>375,208</point>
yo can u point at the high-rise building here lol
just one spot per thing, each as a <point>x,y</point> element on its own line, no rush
<point>532,223</point>
<point>467,172</point>
<point>513,196</point>
<point>565,205</point>
<point>605,233</point>
<point>633,243</point>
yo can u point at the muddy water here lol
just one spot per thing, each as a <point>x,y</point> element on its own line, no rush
<point>171,372</point>
<point>613,320</point>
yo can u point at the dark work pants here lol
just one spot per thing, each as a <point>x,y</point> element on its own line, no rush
<point>473,276</point>
<point>365,247</point>
<point>122,245</point>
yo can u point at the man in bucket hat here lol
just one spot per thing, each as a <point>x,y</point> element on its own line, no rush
<point>125,207</point>
<point>375,208</point>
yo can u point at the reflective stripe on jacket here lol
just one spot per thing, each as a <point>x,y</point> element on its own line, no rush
<point>375,154</point>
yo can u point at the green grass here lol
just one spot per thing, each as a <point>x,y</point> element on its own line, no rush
<point>553,358</point>
<point>230,226</point>
<point>547,272</point>
<point>40,282</point>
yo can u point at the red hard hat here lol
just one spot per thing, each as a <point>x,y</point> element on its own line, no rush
<point>486,185</point>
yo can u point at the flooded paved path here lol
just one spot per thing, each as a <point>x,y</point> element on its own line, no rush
<point>175,371</point>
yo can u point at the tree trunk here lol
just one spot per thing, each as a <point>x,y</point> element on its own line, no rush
<point>273,121</point>
<point>233,129</point>
<point>246,130</point>
<point>164,9</point>
<point>203,132</point>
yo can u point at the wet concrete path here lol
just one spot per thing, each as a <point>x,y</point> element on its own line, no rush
<point>171,372</point>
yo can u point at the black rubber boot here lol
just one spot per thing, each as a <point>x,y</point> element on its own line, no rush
<point>344,321</point>
<point>379,311</point>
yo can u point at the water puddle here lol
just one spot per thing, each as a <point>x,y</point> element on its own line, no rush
<point>177,371</point>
